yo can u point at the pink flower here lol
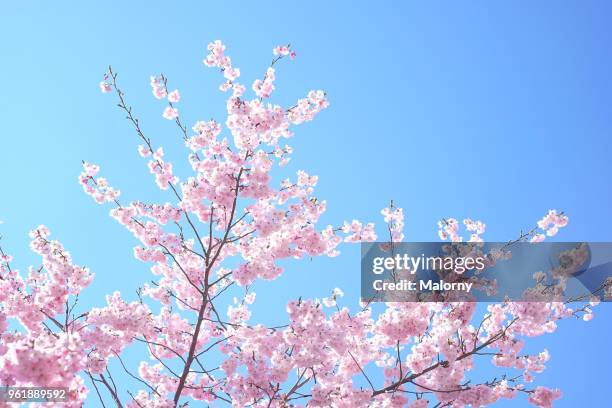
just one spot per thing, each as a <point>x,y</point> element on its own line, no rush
<point>174,96</point>
<point>105,87</point>
<point>284,50</point>
<point>170,113</point>
<point>543,397</point>
<point>144,151</point>
<point>159,93</point>
<point>551,232</point>
<point>158,87</point>
<point>394,217</point>
<point>231,73</point>
<point>250,298</point>
<point>552,221</point>
<point>281,50</point>
<point>329,302</point>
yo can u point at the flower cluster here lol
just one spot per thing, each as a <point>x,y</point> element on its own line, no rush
<point>97,187</point>
<point>550,225</point>
<point>158,87</point>
<point>217,58</point>
<point>284,50</point>
<point>394,217</point>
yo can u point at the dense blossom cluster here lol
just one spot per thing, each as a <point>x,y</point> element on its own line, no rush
<point>227,226</point>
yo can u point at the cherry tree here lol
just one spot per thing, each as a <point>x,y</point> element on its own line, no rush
<point>225,227</point>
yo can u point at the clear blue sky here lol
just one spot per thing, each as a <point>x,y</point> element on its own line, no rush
<point>466,109</point>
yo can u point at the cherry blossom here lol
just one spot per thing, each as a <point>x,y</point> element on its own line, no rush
<point>105,87</point>
<point>174,96</point>
<point>170,113</point>
<point>394,217</point>
<point>552,221</point>
<point>543,397</point>
<point>221,230</point>
<point>158,87</point>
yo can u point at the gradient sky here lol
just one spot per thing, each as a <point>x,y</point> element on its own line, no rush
<point>497,112</point>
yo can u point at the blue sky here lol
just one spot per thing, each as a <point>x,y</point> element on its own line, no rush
<point>466,109</point>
